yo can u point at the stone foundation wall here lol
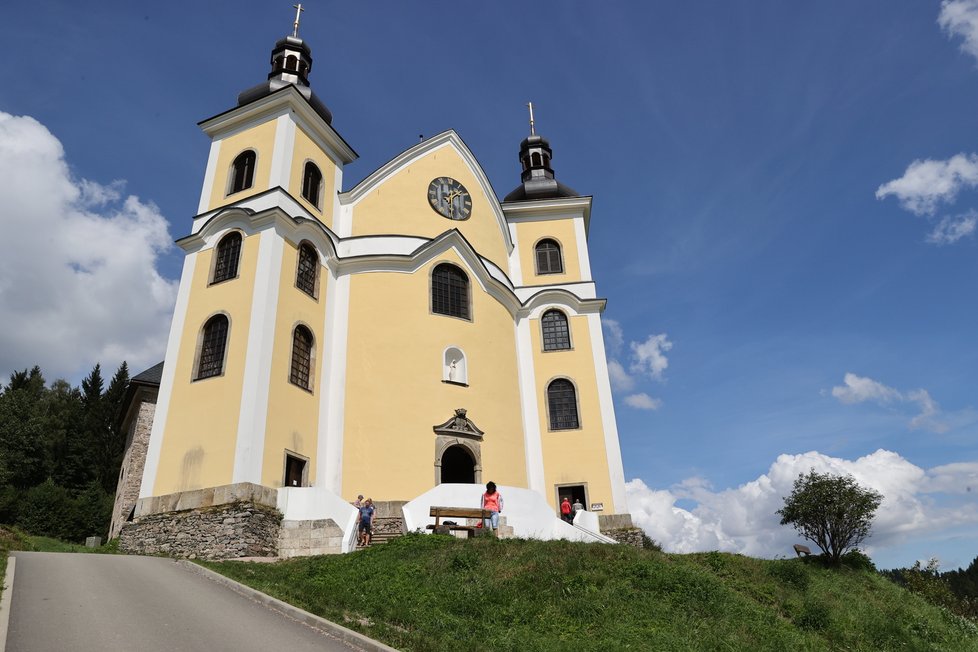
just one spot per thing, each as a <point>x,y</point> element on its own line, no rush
<point>131,473</point>
<point>304,538</point>
<point>225,531</point>
<point>631,536</point>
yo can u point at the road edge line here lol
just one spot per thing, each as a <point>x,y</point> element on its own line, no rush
<point>8,594</point>
<point>328,626</point>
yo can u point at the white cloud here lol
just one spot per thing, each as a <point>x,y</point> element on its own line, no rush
<point>643,401</point>
<point>78,277</point>
<point>960,18</point>
<point>613,335</point>
<point>927,183</point>
<point>858,389</point>
<point>649,356</point>
<point>621,380</point>
<point>952,228</point>
<point>743,519</point>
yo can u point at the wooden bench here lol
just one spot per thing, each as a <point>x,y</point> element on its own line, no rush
<point>802,550</point>
<point>456,512</point>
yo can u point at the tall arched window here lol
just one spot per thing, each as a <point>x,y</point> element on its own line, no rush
<point>242,172</point>
<point>228,253</point>
<point>308,269</point>
<point>556,332</point>
<point>562,403</point>
<point>450,291</point>
<point>213,343</point>
<point>312,183</point>
<point>548,257</point>
<point>301,357</point>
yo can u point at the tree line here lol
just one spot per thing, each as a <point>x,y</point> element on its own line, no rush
<point>61,448</point>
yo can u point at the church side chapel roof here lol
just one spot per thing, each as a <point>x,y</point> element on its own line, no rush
<point>151,376</point>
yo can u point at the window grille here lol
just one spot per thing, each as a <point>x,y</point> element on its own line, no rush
<point>305,276</point>
<point>213,344</point>
<point>228,253</point>
<point>548,257</point>
<point>562,401</point>
<point>556,333</point>
<point>243,172</point>
<point>312,182</point>
<point>450,291</point>
<point>301,357</point>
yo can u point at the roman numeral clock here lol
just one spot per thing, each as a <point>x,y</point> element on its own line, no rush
<point>449,198</point>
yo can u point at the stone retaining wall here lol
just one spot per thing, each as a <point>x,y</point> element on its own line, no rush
<point>304,538</point>
<point>631,536</point>
<point>243,529</point>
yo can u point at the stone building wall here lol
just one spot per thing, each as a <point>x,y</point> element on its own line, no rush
<point>225,531</point>
<point>131,473</point>
<point>304,538</point>
<point>631,536</point>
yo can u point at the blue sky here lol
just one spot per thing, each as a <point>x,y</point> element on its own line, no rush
<point>773,295</point>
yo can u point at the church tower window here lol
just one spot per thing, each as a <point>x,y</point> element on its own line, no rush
<point>307,272</point>
<point>312,183</point>
<point>243,172</point>
<point>562,402</point>
<point>301,358</point>
<point>548,257</point>
<point>228,254</point>
<point>556,332</point>
<point>450,291</point>
<point>212,347</point>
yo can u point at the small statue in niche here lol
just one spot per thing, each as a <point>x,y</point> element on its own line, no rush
<point>453,370</point>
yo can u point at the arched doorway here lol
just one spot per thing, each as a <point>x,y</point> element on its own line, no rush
<point>457,465</point>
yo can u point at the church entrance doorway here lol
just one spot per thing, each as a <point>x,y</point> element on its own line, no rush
<point>573,492</point>
<point>457,465</point>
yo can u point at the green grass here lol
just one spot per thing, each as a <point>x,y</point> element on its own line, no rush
<point>424,592</point>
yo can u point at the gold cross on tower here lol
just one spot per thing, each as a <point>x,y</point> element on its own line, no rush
<point>295,25</point>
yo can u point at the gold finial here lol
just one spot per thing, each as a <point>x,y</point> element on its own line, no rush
<point>295,25</point>
<point>532,129</point>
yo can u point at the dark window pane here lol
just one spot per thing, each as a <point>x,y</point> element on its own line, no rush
<point>228,253</point>
<point>450,291</point>
<point>556,333</point>
<point>212,347</point>
<point>243,172</point>
<point>312,181</point>
<point>548,257</point>
<point>305,278</point>
<point>301,357</point>
<point>562,401</point>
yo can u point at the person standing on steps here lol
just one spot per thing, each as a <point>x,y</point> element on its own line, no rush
<point>578,506</point>
<point>367,511</point>
<point>565,510</point>
<point>492,501</point>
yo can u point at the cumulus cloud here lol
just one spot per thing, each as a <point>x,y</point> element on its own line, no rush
<point>960,18</point>
<point>621,380</point>
<point>613,335</point>
<point>643,401</point>
<point>743,519</point>
<point>649,357</point>
<point>78,276</point>
<point>858,389</point>
<point>952,228</point>
<point>926,184</point>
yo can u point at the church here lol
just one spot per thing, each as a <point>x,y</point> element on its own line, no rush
<point>408,337</point>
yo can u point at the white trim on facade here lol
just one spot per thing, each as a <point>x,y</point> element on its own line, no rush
<point>580,232</point>
<point>609,423</point>
<point>155,446</point>
<point>282,152</point>
<point>533,444</point>
<point>337,211</point>
<point>515,265</point>
<point>209,175</point>
<point>252,416</point>
<point>332,403</point>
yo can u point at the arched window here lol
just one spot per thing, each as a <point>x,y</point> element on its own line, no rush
<point>242,172</point>
<point>308,269</point>
<point>535,158</point>
<point>213,343</point>
<point>556,332</point>
<point>562,402</point>
<point>301,357</point>
<point>291,62</point>
<point>228,254</point>
<point>312,183</point>
<point>450,291</point>
<point>548,257</point>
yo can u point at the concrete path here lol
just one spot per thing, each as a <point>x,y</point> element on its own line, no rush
<point>89,603</point>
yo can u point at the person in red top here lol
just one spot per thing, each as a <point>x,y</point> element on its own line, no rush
<point>492,501</point>
<point>565,510</point>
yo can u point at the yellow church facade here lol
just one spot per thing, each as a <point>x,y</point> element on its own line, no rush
<point>331,338</point>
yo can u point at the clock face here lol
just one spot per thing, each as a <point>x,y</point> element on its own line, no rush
<point>449,198</point>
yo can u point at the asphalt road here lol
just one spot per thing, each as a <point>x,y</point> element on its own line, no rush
<point>101,603</point>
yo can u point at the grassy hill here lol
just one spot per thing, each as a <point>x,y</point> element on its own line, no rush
<point>425,592</point>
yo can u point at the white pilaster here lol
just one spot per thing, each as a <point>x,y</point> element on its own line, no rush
<point>282,152</point>
<point>169,373</point>
<point>329,450</point>
<point>535,478</point>
<point>209,174</point>
<point>608,422</point>
<point>580,234</point>
<point>250,444</point>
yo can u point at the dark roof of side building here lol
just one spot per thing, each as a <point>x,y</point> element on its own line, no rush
<point>151,376</point>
